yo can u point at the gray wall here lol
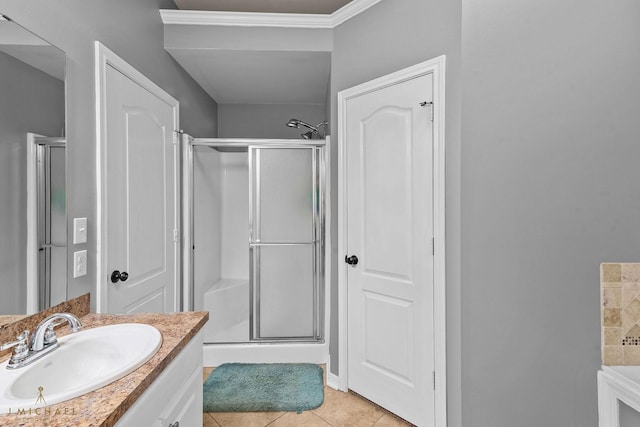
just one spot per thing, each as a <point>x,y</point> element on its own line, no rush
<point>551,102</point>
<point>134,31</point>
<point>629,417</point>
<point>266,120</point>
<point>542,188</point>
<point>390,36</point>
<point>30,101</point>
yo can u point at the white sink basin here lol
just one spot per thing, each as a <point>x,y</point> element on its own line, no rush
<point>85,361</point>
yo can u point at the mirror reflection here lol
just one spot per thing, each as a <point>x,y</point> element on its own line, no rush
<point>32,172</point>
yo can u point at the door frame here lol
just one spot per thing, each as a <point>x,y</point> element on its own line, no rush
<point>104,58</point>
<point>436,67</point>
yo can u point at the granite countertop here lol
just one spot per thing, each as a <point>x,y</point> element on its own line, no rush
<point>10,318</point>
<point>103,407</point>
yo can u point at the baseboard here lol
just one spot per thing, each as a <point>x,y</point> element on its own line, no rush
<point>333,381</point>
<point>217,354</point>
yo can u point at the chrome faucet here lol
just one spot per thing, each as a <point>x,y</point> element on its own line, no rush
<point>44,334</point>
<point>44,340</point>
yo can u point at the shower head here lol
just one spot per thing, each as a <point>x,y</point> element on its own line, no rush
<point>296,123</point>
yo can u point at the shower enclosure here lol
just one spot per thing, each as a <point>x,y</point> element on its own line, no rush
<point>255,238</point>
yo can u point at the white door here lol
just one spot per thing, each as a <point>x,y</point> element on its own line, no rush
<point>140,205</point>
<point>390,229</point>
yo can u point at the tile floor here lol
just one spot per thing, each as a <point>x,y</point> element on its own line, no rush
<point>338,409</point>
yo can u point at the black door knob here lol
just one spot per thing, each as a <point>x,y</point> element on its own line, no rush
<point>117,276</point>
<point>351,260</point>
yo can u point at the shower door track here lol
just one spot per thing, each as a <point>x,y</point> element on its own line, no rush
<point>283,243</point>
<point>246,142</point>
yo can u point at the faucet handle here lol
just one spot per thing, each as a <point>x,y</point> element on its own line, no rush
<point>50,334</point>
<point>21,350</point>
<point>23,338</point>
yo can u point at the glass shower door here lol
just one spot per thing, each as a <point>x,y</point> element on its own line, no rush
<point>285,244</point>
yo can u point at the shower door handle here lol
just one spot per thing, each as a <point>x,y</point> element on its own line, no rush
<point>351,260</point>
<point>117,276</point>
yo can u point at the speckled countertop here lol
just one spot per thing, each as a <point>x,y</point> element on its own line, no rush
<point>103,407</point>
<point>10,318</point>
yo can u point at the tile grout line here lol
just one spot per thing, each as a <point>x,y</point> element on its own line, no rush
<point>328,423</point>
<point>214,420</point>
<point>273,421</point>
<point>321,417</point>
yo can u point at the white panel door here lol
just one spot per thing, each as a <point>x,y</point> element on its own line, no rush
<point>390,230</point>
<point>140,204</point>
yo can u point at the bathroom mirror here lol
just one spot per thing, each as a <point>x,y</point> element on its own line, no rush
<point>33,253</point>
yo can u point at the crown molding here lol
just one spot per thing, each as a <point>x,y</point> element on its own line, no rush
<point>350,10</point>
<point>245,19</point>
<point>253,19</point>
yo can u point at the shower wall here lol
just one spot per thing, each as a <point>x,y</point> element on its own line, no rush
<point>235,214</point>
<point>221,264</point>
<point>221,215</point>
<point>207,214</point>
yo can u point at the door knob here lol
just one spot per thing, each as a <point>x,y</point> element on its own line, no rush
<point>117,276</point>
<point>351,260</point>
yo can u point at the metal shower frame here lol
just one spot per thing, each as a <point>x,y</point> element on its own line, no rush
<point>319,173</point>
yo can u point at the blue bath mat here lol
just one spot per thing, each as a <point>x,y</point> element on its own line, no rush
<point>263,387</point>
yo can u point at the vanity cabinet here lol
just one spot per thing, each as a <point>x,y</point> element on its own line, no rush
<point>175,398</point>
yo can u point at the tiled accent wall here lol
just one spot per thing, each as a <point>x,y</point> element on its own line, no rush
<point>620,307</point>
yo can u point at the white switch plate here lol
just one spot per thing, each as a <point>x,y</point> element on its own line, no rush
<point>80,263</point>
<point>79,230</point>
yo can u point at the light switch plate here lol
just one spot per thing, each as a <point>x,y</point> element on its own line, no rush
<point>79,230</point>
<point>80,263</point>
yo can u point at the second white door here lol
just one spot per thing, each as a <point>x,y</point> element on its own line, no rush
<point>141,212</point>
<point>389,242</point>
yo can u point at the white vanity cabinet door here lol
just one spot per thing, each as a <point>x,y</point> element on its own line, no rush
<point>186,410</point>
<point>176,395</point>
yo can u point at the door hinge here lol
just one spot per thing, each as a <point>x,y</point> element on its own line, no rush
<point>430,104</point>
<point>176,135</point>
<point>434,380</point>
<point>175,235</point>
<point>433,246</point>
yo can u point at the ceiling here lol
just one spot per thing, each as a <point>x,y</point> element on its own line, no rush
<point>256,61</point>
<point>31,49</point>
<point>269,6</point>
